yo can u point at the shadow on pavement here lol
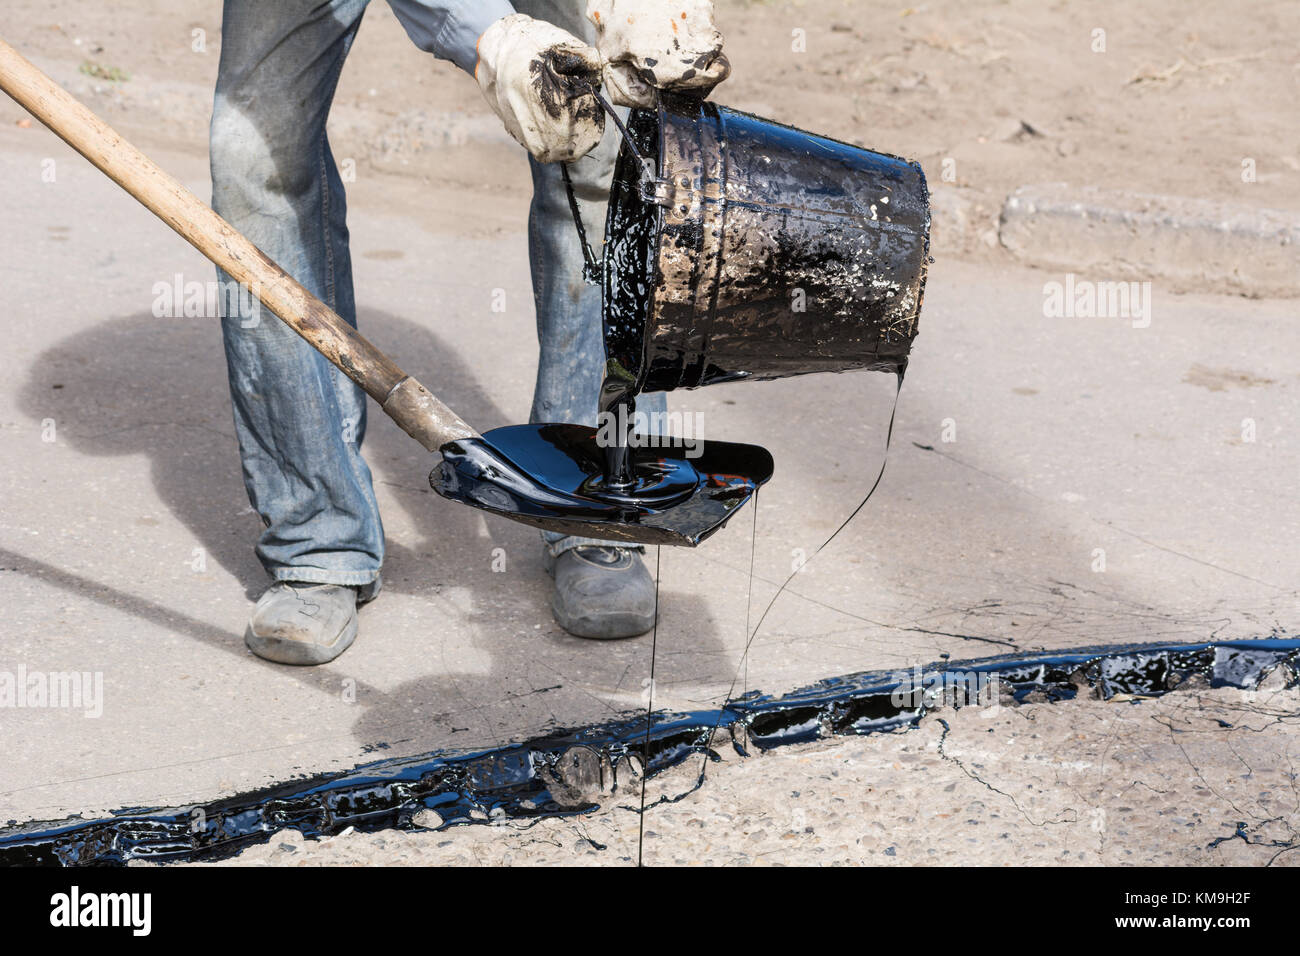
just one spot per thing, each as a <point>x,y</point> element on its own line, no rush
<point>157,387</point>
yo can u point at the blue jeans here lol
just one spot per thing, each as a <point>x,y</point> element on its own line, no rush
<point>299,420</point>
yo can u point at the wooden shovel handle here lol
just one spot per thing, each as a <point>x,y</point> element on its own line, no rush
<point>419,413</point>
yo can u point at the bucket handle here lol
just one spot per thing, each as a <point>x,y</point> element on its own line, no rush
<point>651,187</point>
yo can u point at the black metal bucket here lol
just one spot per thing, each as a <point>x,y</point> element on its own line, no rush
<point>734,248</point>
<point>741,248</point>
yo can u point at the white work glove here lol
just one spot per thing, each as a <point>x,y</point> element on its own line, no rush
<point>538,79</point>
<point>663,44</point>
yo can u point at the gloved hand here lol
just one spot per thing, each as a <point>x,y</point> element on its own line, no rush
<point>664,44</point>
<point>538,79</point>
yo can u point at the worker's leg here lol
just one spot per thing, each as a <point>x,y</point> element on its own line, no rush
<point>572,360</point>
<point>602,588</point>
<point>299,420</point>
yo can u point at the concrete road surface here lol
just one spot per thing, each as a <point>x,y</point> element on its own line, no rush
<point>1053,482</point>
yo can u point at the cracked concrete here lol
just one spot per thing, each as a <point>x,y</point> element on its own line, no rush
<point>1117,503</point>
<point>1199,777</point>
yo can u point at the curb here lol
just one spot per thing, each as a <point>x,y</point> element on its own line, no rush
<point>1195,245</point>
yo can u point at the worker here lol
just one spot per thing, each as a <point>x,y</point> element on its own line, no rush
<point>299,420</point>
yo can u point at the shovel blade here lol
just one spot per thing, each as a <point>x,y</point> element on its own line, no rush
<point>551,477</point>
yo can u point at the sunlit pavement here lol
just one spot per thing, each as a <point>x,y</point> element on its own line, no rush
<point>1053,482</point>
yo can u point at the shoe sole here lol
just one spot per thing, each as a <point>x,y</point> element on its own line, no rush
<point>611,627</point>
<point>281,650</point>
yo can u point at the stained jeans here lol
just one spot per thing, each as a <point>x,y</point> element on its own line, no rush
<point>300,422</point>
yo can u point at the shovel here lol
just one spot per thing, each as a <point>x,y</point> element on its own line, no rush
<point>549,476</point>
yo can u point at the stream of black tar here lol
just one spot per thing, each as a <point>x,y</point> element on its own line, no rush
<point>537,777</point>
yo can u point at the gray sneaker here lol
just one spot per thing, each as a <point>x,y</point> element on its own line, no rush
<point>295,622</point>
<point>602,592</point>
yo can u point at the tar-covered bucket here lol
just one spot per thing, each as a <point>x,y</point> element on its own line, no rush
<point>736,247</point>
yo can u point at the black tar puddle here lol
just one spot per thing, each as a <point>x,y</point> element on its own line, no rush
<point>568,772</point>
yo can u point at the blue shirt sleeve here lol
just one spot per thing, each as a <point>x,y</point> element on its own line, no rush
<point>450,28</point>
